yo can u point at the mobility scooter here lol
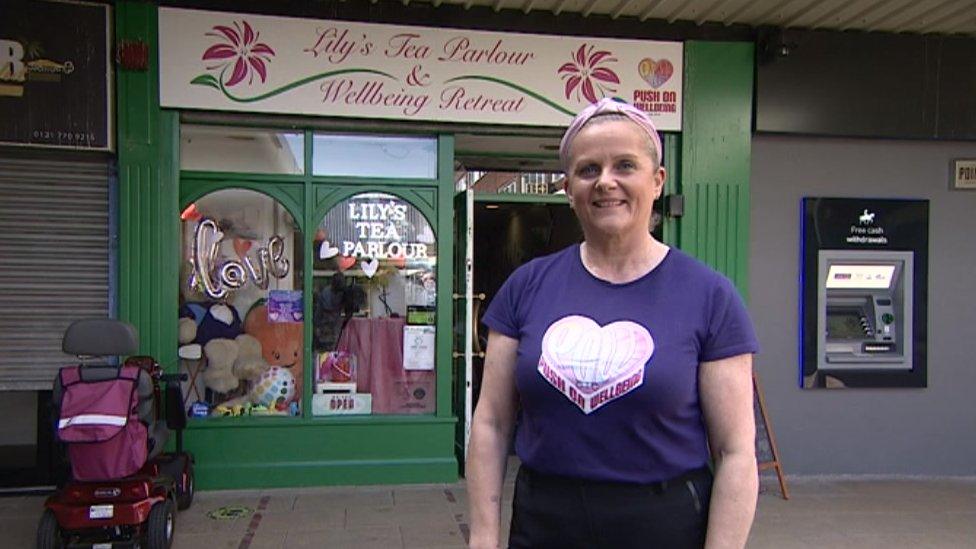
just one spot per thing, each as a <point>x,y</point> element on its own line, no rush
<point>123,489</point>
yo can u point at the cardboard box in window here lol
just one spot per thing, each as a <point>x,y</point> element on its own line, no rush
<point>340,404</point>
<point>329,387</point>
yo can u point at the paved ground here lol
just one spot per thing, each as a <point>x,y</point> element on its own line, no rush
<point>822,513</point>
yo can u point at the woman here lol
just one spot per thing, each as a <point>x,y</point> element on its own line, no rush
<point>625,363</point>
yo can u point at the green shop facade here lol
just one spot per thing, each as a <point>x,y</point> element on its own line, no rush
<point>294,234</point>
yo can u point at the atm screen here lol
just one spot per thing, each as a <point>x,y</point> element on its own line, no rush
<point>844,325</point>
<point>860,276</point>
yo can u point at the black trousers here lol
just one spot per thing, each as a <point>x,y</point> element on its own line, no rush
<point>560,512</point>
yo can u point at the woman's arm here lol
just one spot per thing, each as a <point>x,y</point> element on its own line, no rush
<point>491,431</point>
<point>725,387</point>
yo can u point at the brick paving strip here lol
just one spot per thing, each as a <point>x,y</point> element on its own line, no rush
<point>252,528</point>
<point>459,518</point>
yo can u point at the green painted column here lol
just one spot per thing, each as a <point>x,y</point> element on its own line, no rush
<point>716,155</point>
<point>148,190</point>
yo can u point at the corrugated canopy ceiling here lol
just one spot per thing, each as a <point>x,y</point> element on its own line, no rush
<point>911,16</point>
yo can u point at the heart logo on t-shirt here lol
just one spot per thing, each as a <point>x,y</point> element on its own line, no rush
<point>591,364</point>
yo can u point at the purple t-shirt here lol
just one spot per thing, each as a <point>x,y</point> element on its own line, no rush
<point>607,374</point>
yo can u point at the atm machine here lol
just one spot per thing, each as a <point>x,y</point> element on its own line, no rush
<point>864,310</point>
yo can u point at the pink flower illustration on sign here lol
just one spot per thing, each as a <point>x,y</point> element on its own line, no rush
<point>240,46</point>
<point>585,75</point>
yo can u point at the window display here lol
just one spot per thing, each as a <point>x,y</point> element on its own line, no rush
<point>373,301</point>
<point>241,310</point>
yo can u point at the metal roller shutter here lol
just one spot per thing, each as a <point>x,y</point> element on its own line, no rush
<point>54,261</point>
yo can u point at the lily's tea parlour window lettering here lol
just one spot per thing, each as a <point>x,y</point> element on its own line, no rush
<point>377,233</point>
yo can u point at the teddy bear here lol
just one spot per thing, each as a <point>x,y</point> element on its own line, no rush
<point>282,349</point>
<point>230,361</point>
<point>215,331</point>
<point>266,355</point>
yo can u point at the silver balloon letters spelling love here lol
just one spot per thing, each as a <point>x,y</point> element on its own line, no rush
<point>217,279</point>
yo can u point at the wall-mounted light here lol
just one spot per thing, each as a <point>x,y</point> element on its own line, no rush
<point>773,44</point>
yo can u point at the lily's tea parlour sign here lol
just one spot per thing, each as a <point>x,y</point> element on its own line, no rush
<point>255,63</point>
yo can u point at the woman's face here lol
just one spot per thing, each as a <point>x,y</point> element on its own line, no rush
<point>612,180</point>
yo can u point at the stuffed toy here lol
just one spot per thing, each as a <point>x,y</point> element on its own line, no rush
<point>216,329</point>
<point>230,361</point>
<point>219,374</point>
<point>187,331</point>
<point>213,320</point>
<point>281,347</point>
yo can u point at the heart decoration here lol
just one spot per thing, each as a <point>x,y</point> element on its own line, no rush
<point>655,73</point>
<point>370,267</point>
<point>191,213</point>
<point>346,262</point>
<point>327,250</point>
<point>241,246</point>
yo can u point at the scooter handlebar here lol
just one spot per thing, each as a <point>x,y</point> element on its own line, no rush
<point>169,378</point>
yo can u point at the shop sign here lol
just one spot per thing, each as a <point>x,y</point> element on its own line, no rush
<point>255,63</point>
<point>865,231</point>
<point>55,75</point>
<point>964,174</point>
<point>341,404</point>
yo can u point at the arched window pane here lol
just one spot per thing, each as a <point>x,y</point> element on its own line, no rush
<point>374,295</point>
<point>241,315</point>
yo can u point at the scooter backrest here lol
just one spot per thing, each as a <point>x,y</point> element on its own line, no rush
<point>100,337</point>
<point>100,372</point>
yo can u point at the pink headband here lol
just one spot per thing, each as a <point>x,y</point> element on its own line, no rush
<point>603,106</point>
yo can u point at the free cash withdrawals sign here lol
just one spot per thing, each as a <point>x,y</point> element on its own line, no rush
<point>237,62</point>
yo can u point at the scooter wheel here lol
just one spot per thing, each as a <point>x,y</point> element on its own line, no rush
<point>160,525</point>
<point>184,494</point>
<point>49,532</point>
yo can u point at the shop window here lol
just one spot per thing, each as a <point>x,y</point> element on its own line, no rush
<point>241,315</point>
<point>374,156</point>
<point>232,149</point>
<point>374,305</point>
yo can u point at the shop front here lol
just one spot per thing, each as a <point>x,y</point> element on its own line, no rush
<point>56,145</point>
<point>293,237</point>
